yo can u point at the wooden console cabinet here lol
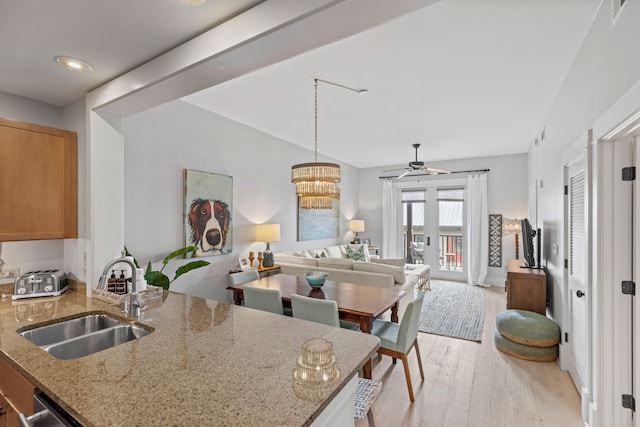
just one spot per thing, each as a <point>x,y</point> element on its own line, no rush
<point>526,288</point>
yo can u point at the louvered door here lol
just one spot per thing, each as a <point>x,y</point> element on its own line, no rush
<point>577,270</point>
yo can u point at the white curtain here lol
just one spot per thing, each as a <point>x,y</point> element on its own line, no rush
<point>477,229</point>
<point>389,221</point>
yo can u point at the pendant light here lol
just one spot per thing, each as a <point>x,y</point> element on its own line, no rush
<point>316,182</point>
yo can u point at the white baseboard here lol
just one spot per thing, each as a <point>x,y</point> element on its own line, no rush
<point>495,281</point>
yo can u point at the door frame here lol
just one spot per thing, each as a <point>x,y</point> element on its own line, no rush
<point>609,322</point>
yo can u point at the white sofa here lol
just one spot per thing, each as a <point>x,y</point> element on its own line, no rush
<point>351,263</point>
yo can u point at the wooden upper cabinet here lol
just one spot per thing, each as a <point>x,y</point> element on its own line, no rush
<point>38,182</point>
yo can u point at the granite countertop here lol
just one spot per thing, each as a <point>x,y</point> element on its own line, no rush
<point>205,363</point>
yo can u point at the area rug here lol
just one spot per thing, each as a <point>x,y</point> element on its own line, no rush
<point>453,309</point>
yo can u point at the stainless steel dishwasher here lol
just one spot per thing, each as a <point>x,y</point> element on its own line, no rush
<point>46,413</point>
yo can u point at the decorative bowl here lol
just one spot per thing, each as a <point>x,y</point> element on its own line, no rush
<point>316,278</point>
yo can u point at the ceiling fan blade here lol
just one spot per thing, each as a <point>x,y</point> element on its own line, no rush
<point>394,170</point>
<point>432,171</point>
<point>404,174</point>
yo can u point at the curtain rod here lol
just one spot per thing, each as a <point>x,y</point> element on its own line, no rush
<point>428,174</point>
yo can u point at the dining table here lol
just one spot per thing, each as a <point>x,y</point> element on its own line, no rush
<point>356,302</point>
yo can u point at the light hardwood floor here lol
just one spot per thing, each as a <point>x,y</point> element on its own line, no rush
<point>473,384</point>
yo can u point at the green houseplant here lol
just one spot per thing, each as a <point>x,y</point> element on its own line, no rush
<point>158,278</point>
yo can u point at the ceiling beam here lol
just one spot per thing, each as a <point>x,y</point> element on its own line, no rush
<point>264,35</point>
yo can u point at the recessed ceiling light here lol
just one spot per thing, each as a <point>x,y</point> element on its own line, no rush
<point>194,2</point>
<point>72,63</point>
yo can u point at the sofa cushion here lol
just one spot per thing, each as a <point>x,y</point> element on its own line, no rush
<point>398,262</point>
<point>358,252</point>
<point>288,254</point>
<point>298,260</point>
<point>343,263</point>
<point>334,252</point>
<point>396,272</point>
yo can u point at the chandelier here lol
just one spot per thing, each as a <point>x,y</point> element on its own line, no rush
<point>316,182</point>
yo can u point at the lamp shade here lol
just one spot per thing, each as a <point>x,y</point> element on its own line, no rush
<point>512,226</point>
<point>356,225</point>
<point>267,232</point>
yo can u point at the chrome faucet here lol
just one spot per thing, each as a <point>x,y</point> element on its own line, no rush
<point>135,303</point>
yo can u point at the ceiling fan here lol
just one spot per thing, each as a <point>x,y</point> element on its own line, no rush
<point>417,166</point>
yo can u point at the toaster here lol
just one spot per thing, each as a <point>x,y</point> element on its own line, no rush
<point>40,284</point>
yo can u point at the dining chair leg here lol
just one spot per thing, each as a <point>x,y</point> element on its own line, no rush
<point>415,344</point>
<point>407,374</point>
<point>370,418</point>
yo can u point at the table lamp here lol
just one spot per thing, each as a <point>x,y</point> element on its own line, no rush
<point>356,226</point>
<point>513,227</point>
<point>267,233</point>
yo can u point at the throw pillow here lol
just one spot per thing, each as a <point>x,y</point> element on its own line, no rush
<point>311,253</point>
<point>356,254</point>
<point>361,249</point>
<point>334,251</point>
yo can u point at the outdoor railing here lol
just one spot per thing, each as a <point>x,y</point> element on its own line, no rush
<point>451,251</point>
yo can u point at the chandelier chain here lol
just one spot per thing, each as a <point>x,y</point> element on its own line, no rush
<point>315,146</point>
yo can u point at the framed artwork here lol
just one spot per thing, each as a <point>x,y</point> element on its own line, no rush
<point>316,224</point>
<point>208,207</point>
<point>495,240</point>
<point>244,264</point>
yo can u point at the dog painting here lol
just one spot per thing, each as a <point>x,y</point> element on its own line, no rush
<point>208,211</point>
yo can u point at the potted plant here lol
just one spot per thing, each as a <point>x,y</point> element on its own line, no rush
<point>158,278</point>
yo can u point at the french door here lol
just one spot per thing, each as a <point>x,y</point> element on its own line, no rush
<point>433,228</point>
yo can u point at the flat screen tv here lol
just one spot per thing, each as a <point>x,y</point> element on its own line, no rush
<point>528,234</point>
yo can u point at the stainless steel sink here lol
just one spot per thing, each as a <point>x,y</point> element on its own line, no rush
<point>81,336</point>
<point>62,331</point>
<point>95,341</point>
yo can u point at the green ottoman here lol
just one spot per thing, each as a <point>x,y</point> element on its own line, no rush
<point>527,335</point>
<point>528,328</point>
<point>526,352</point>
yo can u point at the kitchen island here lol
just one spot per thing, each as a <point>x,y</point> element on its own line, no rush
<point>205,363</point>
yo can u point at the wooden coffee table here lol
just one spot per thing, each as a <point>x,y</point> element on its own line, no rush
<point>356,303</point>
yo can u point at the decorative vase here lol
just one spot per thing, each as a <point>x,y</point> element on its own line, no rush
<point>267,260</point>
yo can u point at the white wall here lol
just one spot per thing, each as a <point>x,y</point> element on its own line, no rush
<point>606,66</point>
<point>506,188</point>
<point>160,143</point>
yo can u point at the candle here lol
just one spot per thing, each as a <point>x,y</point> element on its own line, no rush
<point>251,254</point>
<point>259,254</point>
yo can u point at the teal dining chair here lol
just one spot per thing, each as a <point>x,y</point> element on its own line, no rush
<point>396,339</point>
<point>263,299</point>
<point>243,277</point>
<point>319,310</point>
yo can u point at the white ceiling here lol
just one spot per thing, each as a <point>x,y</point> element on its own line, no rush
<point>114,36</point>
<point>465,78</point>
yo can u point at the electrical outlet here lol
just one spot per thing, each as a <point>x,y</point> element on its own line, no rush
<point>10,273</point>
